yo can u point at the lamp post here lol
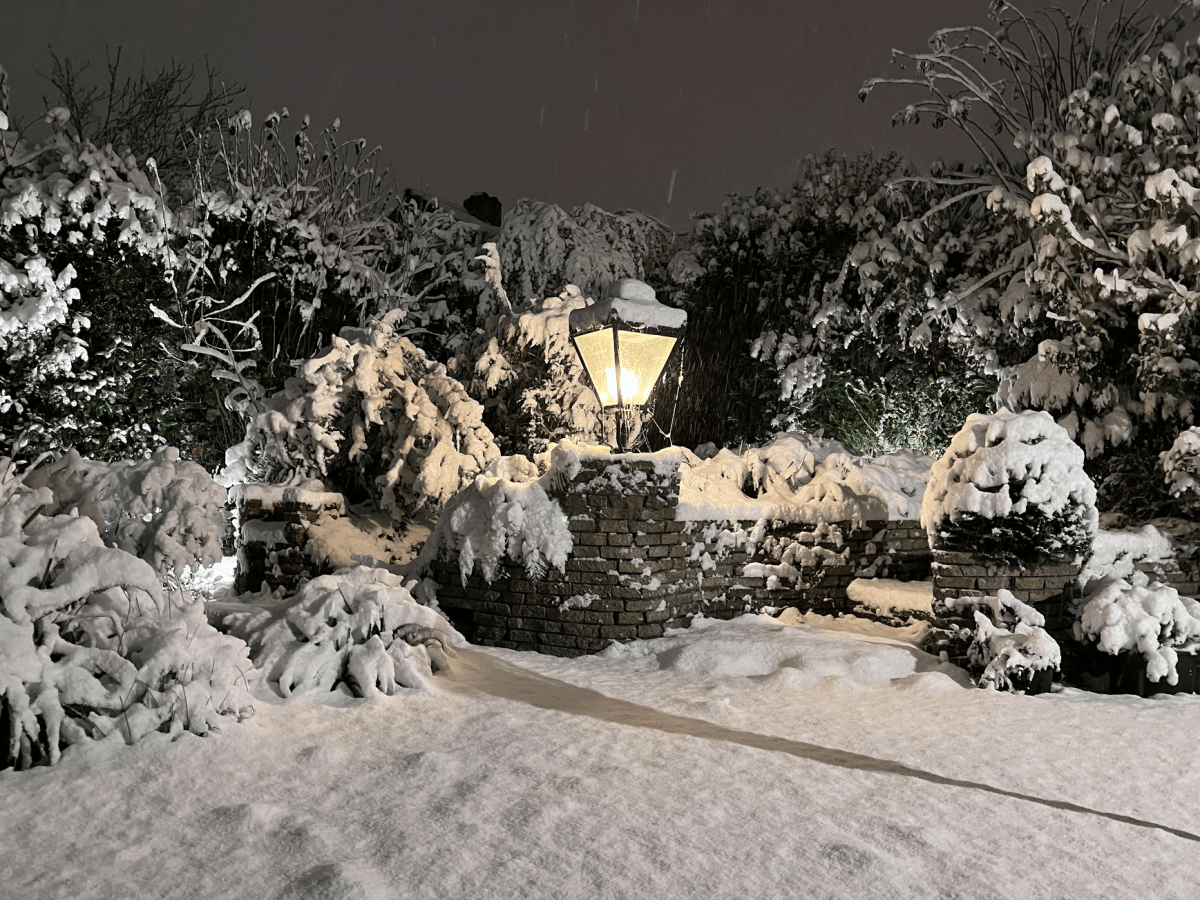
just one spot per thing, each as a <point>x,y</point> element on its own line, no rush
<point>624,340</point>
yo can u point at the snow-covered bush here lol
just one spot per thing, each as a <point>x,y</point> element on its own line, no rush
<point>361,628</point>
<point>544,248</point>
<point>774,280</point>
<point>166,511</point>
<point>802,477</point>
<point>1014,647</point>
<point>1011,487</point>
<point>84,240</point>
<point>897,479</point>
<point>91,646</point>
<point>529,378</point>
<point>495,518</point>
<point>370,415</point>
<point>1182,465</point>
<point>1136,614</point>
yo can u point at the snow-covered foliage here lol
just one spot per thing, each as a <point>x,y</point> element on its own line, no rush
<point>91,646</point>
<point>320,218</point>
<point>544,248</point>
<point>1013,647</point>
<point>1078,293</point>
<point>80,229</point>
<point>369,414</point>
<point>524,369</point>
<point>1011,486</point>
<point>164,510</point>
<point>1137,614</point>
<point>496,518</point>
<point>802,478</point>
<point>360,627</point>
<point>1182,464</point>
<point>897,479</point>
<point>775,278</point>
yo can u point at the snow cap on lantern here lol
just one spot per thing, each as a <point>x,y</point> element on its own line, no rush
<point>624,340</point>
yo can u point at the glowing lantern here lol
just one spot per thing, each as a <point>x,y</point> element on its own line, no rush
<point>624,340</point>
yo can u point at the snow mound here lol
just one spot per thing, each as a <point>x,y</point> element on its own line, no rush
<point>886,595</point>
<point>360,627</point>
<point>781,653</point>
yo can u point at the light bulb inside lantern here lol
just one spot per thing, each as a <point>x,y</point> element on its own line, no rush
<point>629,384</point>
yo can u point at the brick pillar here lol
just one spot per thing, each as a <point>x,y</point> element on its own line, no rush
<point>1049,587</point>
<point>272,535</point>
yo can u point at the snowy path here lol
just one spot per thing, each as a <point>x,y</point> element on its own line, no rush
<point>731,760</point>
<point>498,678</point>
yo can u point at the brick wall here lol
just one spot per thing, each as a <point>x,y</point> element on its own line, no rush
<point>1182,572</point>
<point>636,570</point>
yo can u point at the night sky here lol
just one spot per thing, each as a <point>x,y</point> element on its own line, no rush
<point>664,106</point>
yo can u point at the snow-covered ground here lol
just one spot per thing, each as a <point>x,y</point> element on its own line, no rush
<point>792,757</point>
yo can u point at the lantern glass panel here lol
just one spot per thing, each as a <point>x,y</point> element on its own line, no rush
<point>642,359</point>
<point>599,358</point>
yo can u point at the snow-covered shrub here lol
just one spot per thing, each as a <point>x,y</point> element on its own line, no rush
<point>84,241</point>
<point>1015,646</point>
<point>1011,487</point>
<point>495,518</point>
<point>1182,465</point>
<point>283,246</point>
<point>544,248</point>
<point>166,511</point>
<point>1078,292</point>
<point>1146,616</point>
<point>371,415</point>
<point>360,627</point>
<point>91,646</point>
<point>897,479</point>
<point>529,378</point>
<point>790,331</point>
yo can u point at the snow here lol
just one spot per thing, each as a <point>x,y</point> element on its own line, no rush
<point>748,758</point>
<point>888,595</point>
<point>494,518</point>
<point>1115,554</point>
<point>1010,654</point>
<point>310,493</point>
<point>627,301</point>
<point>567,459</point>
<point>802,478</point>
<point>1143,615</point>
<point>1182,463</point>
